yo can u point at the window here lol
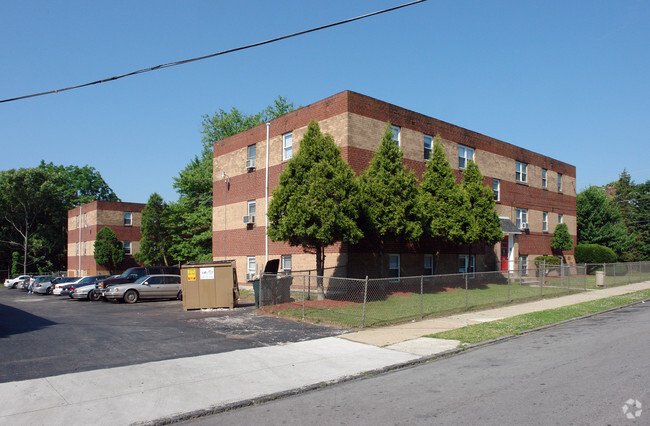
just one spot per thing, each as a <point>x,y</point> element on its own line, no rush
<point>85,220</point>
<point>252,152</point>
<point>251,208</point>
<point>393,265</point>
<point>84,249</point>
<point>428,264</point>
<point>559,182</point>
<point>545,221</point>
<point>522,218</point>
<point>496,189</point>
<point>466,264</point>
<point>544,181</point>
<point>76,222</point>
<point>428,146</point>
<point>396,134</point>
<point>77,249</point>
<point>287,142</point>
<point>250,265</point>
<point>127,247</point>
<point>523,265</point>
<point>521,174</point>
<point>465,154</point>
<point>128,219</point>
<point>286,263</point>
<point>560,218</point>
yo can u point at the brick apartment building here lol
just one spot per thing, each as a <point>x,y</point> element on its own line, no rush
<point>85,221</point>
<point>533,192</point>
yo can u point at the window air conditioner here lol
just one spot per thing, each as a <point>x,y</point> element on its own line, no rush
<point>249,276</point>
<point>249,219</point>
<point>250,164</point>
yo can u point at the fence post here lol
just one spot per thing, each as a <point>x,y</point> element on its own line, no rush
<point>628,272</point>
<point>466,294</point>
<point>604,275</point>
<point>508,285</point>
<point>541,282</point>
<point>421,295</point>
<point>304,278</point>
<point>309,286</point>
<point>585,277</point>
<point>365,297</point>
<point>561,272</point>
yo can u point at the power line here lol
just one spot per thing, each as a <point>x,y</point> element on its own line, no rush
<point>212,55</point>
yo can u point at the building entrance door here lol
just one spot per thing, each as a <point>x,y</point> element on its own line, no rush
<point>504,253</point>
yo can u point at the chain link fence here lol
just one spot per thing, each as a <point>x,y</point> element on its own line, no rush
<point>358,303</point>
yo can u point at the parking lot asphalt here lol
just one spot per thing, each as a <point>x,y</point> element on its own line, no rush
<point>42,336</point>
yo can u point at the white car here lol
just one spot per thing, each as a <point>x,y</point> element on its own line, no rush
<point>83,292</point>
<point>11,283</point>
<point>58,287</point>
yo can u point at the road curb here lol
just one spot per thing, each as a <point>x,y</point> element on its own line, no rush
<point>441,355</point>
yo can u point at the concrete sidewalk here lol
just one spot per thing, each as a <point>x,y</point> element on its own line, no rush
<point>168,389</point>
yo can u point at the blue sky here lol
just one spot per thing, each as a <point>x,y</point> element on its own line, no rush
<point>567,79</point>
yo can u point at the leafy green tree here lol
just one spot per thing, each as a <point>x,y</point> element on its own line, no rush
<point>561,239</point>
<point>389,197</point>
<point>108,250</point>
<point>15,264</point>
<point>190,218</point>
<point>445,206</point>
<point>600,222</point>
<point>485,224</point>
<point>316,201</point>
<point>641,221</point>
<point>153,227</point>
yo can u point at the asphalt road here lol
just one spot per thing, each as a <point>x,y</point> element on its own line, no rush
<point>43,336</point>
<point>579,373</point>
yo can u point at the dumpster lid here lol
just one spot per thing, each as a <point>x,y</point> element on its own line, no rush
<point>272,266</point>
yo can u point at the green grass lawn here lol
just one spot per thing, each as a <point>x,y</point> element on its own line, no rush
<point>401,308</point>
<point>515,325</point>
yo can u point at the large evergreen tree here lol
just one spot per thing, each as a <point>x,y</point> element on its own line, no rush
<point>485,224</point>
<point>316,201</point>
<point>561,238</point>
<point>153,227</point>
<point>445,206</point>
<point>108,250</point>
<point>389,197</point>
<point>600,222</point>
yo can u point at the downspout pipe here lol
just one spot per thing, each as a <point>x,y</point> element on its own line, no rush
<point>266,196</point>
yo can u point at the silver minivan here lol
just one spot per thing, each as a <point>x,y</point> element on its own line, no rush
<point>163,286</point>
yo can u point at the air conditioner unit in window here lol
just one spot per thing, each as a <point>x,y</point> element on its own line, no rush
<point>249,219</point>
<point>250,164</point>
<point>249,276</point>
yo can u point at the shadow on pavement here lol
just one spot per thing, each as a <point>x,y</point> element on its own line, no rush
<point>16,321</point>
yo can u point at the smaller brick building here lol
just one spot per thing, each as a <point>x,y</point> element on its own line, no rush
<point>85,221</point>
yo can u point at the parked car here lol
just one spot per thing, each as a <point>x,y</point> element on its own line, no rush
<point>24,284</point>
<point>42,284</point>
<point>164,286</point>
<point>58,286</point>
<point>83,292</point>
<point>78,282</point>
<point>131,275</point>
<point>13,282</point>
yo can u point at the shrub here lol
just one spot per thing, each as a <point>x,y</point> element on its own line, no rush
<point>594,253</point>
<point>550,261</point>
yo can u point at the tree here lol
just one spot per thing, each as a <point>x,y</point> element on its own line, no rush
<point>108,250</point>
<point>445,206</point>
<point>15,264</point>
<point>190,218</point>
<point>599,221</point>
<point>153,227</point>
<point>316,201</point>
<point>631,200</point>
<point>486,226</point>
<point>389,197</point>
<point>561,239</point>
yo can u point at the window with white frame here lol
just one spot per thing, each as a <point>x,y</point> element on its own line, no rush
<point>522,218</point>
<point>466,264</point>
<point>252,152</point>
<point>521,172</point>
<point>127,247</point>
<point>544,179</point>
<point>523,265</point>
<point>250,265</point>
<point>560,218</point>
<point>85,220</point>
<point>545,221</point>
<point>84,249</point>
<point>496,189</point>
<point>393,265</point>
<point>77,249</point>
<point>287,142</point>
<point>128,219</point>
<point>396,134</point>
<point>76,222</point>
<point>465,154</point>
<point>428,146</point>
<point>559,182</point>
<point>428,264</point>
<point>285,261</point>
<point>251,208</point>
